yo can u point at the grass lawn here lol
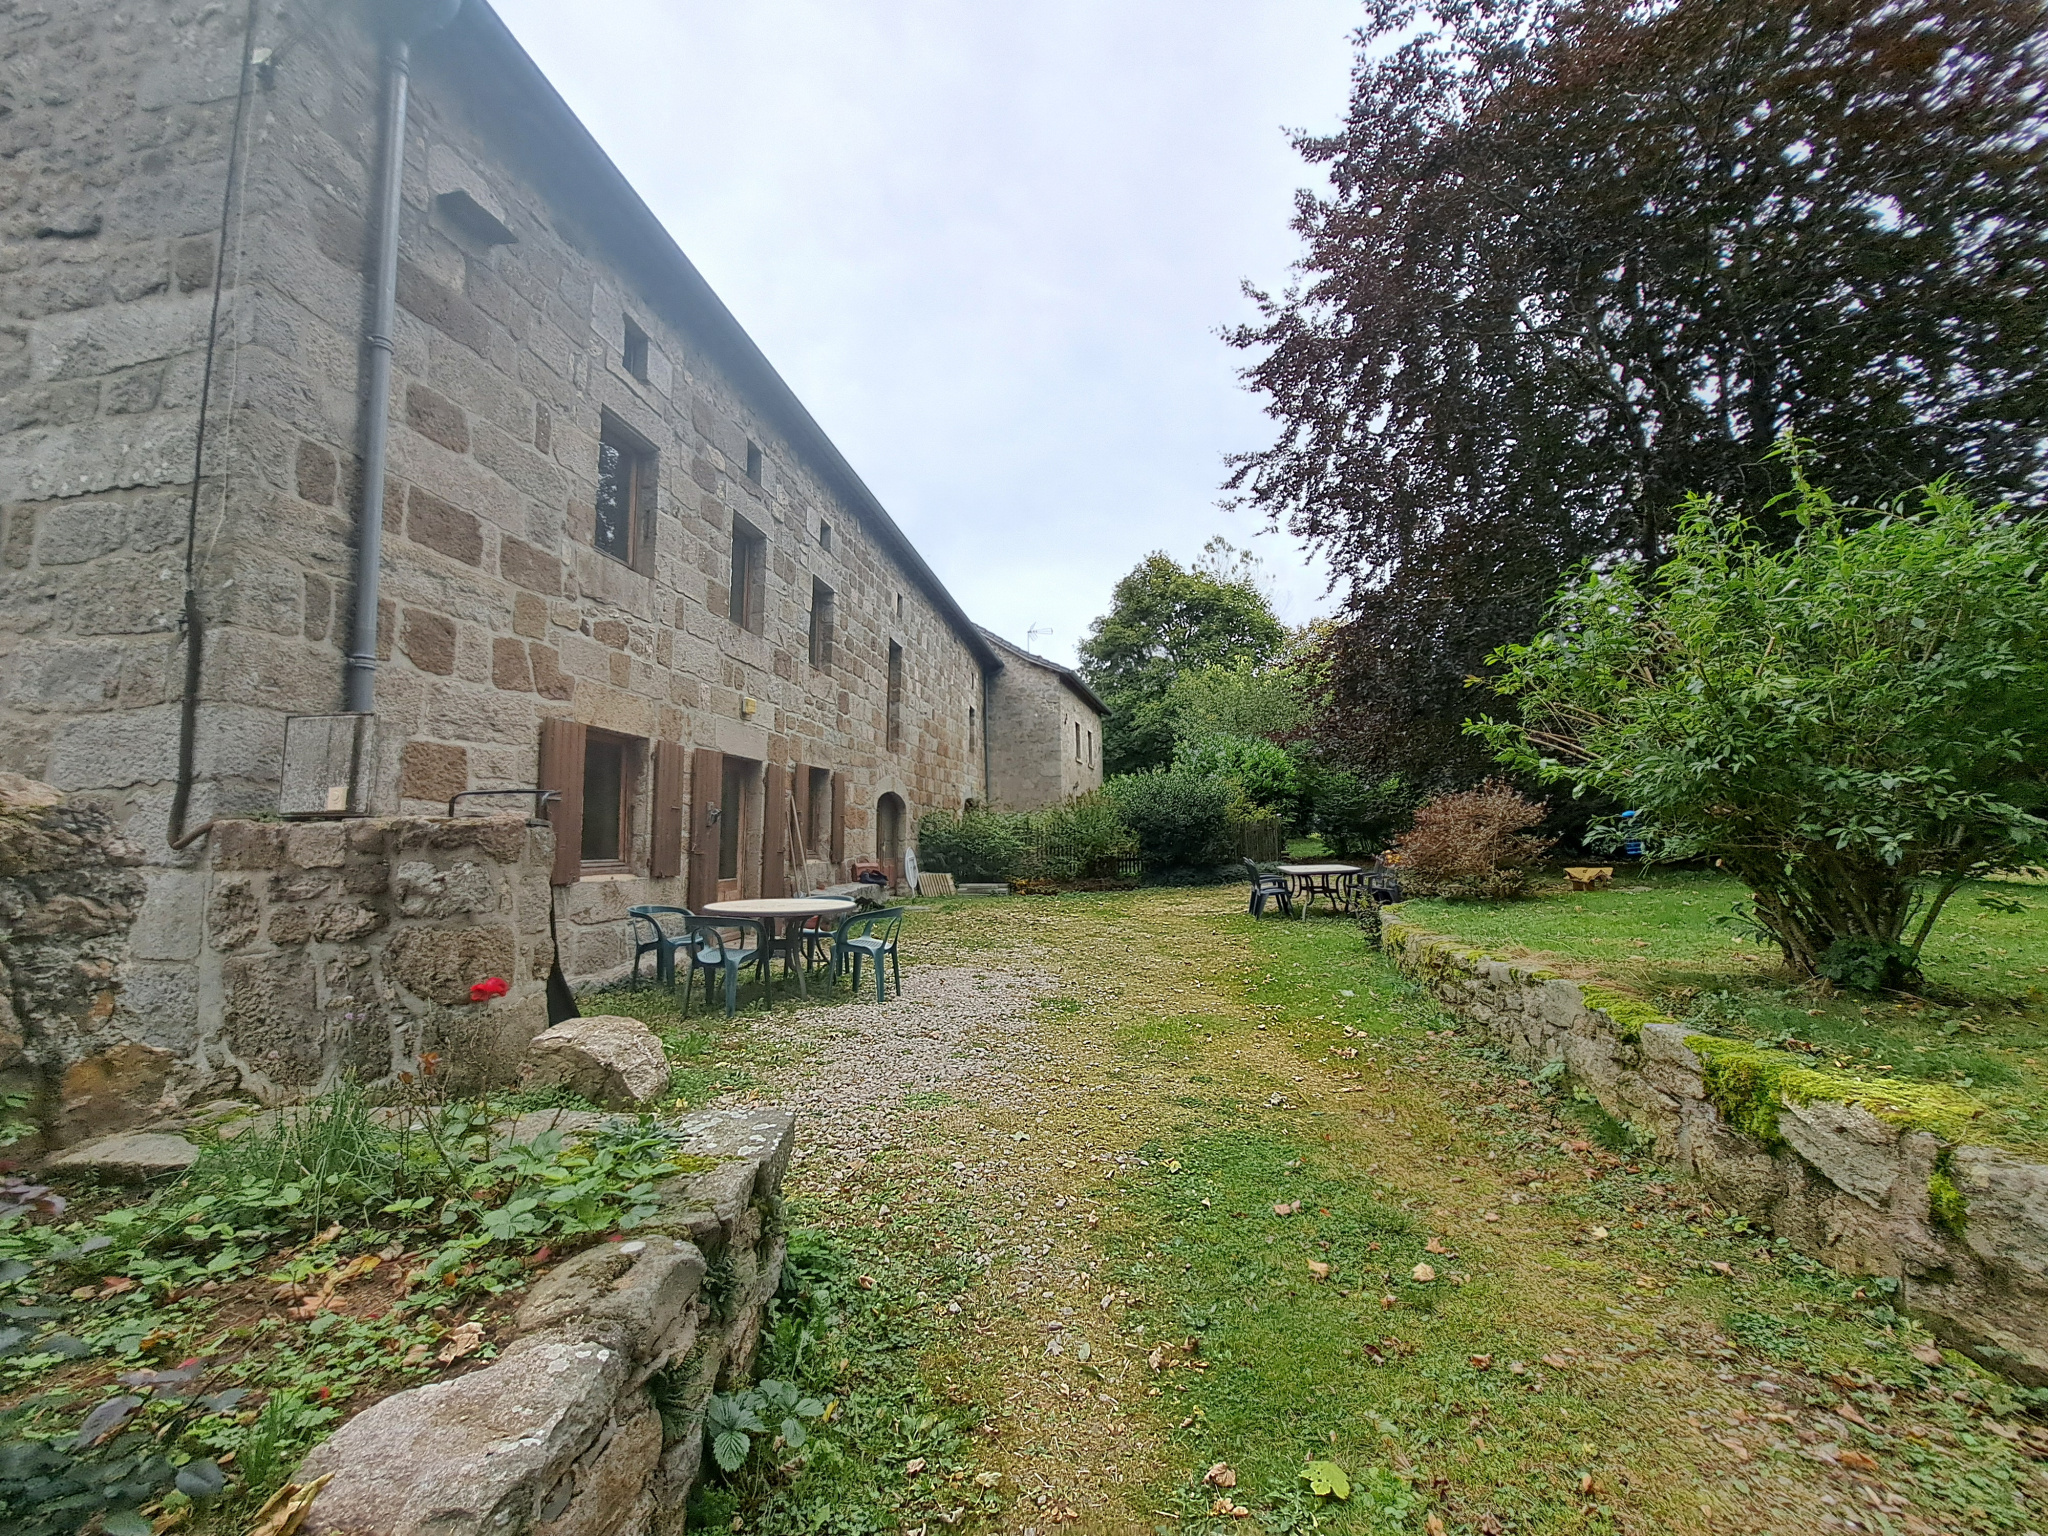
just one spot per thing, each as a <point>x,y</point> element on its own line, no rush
<point>1982,1024</point>
<point>1264,1205</point>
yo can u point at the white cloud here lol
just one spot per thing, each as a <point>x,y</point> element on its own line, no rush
<point>988,246</point>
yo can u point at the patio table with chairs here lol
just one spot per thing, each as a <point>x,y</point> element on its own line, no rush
<point>1339,885</point>
<point>724,938</point>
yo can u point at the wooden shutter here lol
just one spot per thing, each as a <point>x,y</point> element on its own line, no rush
<point>838,823</point>
<point>561,769</point>
<point>800,789</point>
<point>707,787</point>
<point>775,832</point>
<point>665,849</point>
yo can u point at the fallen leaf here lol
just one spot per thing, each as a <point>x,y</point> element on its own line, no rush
<point>1388,1301</point>
<point>1222,1475</point>
<point>1424,1273</point>
<point>1848,1411</point>
<point>914,1466</point>
<point>1586,1483</point>
<point>1433,1246</point>
<point>1856,1459</point>
<point>1926,1354</point>
<point>1721,1267</point>
<point>285,1511</point>
<point>1557,1362</point>
<point>1287,1208</point>
<point>1319,1269</point>
<point>1481,1362</point>
<point>1741,1451</point>
<point>467,1339</point>
<point>1598,1234</point>
<point>1157,1358</point>
<point>867,1282</point>
<point>988,1479</point>
<point>1434,1526</point>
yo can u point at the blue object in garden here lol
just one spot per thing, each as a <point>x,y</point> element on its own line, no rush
<point>1633,848</point>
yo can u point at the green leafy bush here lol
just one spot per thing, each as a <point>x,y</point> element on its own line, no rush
<point>1181,820</point>
<point>979,846</point>
<point>1264,774</point>
<point>735,1421</point>
<point>1071,841</point>
<point>1359,815</point>
<point>1855,724</point>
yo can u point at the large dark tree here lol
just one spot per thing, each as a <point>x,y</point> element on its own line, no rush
<point>1164,620</point>
<point>1580,260</point>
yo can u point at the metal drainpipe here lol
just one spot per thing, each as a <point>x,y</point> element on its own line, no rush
<point>404,22</point>
<point>359,672</point>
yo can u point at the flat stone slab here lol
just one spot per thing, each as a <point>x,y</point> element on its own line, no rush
<point>130,1156</point>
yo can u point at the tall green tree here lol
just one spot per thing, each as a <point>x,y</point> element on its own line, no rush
<point>1581,258</point>
<point>1166,620</point>
<point>1854,723</point>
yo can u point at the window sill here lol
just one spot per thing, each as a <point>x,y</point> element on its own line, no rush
<point>606,869</point>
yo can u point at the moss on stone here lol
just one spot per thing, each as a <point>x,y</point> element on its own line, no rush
<point>1947,1206</point>
<point>1750,1085</point>
<point>1629,1014</point>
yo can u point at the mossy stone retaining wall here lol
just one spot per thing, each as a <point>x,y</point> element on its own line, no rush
<point>1874,1184</point>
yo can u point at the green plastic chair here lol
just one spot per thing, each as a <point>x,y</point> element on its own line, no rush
<point>871,936</point>
<point>710,951</point>
<point>650,938</point>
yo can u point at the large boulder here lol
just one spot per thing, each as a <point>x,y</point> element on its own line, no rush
<point>610,1060</point>
<point>130,1157</point>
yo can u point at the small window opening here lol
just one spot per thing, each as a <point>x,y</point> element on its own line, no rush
<point>634,354</point>
<point>818,801</point>
<point>895,694</point>
<point>753,461</point>
<point>821,624</point>
<point>1077,741</point>
<point>625,493</point>
<point>610,770</point>
<point>1091,749</point>
<point>824,534</point>
<point>747,595</point>
<point>899,605</point>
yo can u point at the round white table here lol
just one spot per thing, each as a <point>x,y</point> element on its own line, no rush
<point>1313,880</point>
<point>780,912</point>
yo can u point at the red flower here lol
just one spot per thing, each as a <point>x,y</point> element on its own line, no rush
<point>490,987</point>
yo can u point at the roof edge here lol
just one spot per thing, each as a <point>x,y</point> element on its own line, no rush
<point>1074,681</point>
<point>724,335</point>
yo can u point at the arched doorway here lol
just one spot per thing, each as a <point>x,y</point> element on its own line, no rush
<point>889,818</point>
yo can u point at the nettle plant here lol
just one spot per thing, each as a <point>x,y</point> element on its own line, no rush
<point>1855,723</point>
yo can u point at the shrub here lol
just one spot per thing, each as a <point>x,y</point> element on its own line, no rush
<point>1358,814</point>
<point>1181,820</point>
<point>1855,724</point>
<point>1266,775</point>
<point>1476,843</point>
<point>1071,841</point>
<point>977,846</point>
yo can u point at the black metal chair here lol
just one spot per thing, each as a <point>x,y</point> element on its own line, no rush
<point>649,937</point>
<point>1267,888</point>
<point>1382,886</point>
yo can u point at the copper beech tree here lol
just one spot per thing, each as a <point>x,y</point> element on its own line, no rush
<point>1577,262</point>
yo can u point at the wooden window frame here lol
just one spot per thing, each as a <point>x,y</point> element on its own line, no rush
<point>638,465</point>
<point>631,750</point>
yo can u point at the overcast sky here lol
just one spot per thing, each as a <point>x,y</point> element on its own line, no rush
<point>989,246</point>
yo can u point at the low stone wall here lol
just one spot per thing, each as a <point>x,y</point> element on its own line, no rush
<point>1963,1229</point>
<point>590,1423</point>
<point>338,948</point>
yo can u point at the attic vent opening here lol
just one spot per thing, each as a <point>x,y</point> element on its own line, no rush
<point>754,461</point>
<point>634,353</point>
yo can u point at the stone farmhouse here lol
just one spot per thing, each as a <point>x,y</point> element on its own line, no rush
<point>1046,724</point>
<point>509,501</point>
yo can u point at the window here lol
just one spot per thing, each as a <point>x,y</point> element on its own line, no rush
<point>625,493</point>
<point>895,694</point>
<point>1091,749</point>
<point>753,461</point>
<point>818,812</point>
<point>746,597</point>
<point>732,802</point>
<point>634,353</point>
<point>1077,741</point>
<point>824,534</point>
<point>821,624</point>
<point>611,771</point>
<point>899,605</point>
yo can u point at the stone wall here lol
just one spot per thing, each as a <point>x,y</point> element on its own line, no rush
<point>348,948</point>
<point>1847,1186</point>
<point>1032,719</point>
<point>590,1422</point>
<point>497,609</point>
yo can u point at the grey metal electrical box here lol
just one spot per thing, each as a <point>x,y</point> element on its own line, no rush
<point>328,761</point>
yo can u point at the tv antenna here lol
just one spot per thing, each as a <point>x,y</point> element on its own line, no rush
<point>1031,636</point>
